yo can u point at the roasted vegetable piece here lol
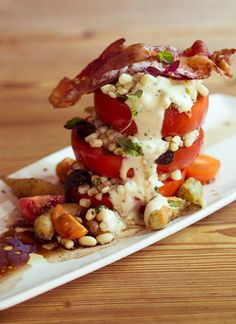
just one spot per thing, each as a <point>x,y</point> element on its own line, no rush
<point>177,206</point>
<point>28,187</point>
<point>63,168</point>
<point>192,191</point>
<point>159,219</point>
<point>43,227</point>
<point>66,225</point>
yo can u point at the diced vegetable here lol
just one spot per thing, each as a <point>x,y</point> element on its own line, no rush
<point>159,219</point>
<point>43,227</point>
<point>28,187</point>
<point>63,168</point>
<point>192,191</point>
<point>204,168</point>
<point>66,225</point>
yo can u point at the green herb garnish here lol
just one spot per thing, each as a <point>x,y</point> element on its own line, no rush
<point>166,57</point>
<point>133,98</point>
<point>73,122</point>
<point>130,147</point>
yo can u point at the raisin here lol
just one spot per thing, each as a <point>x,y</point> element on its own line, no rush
<point>165,158</point>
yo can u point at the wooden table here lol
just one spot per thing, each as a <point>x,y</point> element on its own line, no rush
<point>189,277</point>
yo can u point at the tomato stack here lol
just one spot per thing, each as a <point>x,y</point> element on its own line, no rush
<point>116,114</point>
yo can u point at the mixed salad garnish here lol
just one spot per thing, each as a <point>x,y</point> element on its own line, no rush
<point>137,153</point>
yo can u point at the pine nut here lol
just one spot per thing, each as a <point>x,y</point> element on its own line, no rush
<point>112,94</point>
<point>98,196</point>
<point>91,214</point>
<point>173,147</point>
<point>112,147</point>
<point>163,176</point>
<point>87,241</point>
<point>103,179</point>
<point>104,238</point>
<point>82,189</point>
<point>125,78</point>
<point>68,244</point>
<point>176,175</point>
<point>105,189</point>
<point>84,202</point>
<point>97,142</point>
<point>91,137</point>
<point>103,129</point>
<point>92,192</point>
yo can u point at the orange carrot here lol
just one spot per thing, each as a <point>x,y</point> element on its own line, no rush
<point>204,168</point>
<point>66,225</point>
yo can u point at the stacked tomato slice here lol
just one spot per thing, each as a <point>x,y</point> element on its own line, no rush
<point>115,113</point>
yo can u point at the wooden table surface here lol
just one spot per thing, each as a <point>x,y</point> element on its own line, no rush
<point>189,277</point>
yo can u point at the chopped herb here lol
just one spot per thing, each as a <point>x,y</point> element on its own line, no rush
<point>89,110</point>
<point>130,147</point>
<point>166,57</point>
<point>133,98</point>
<point>73,122</point>
<point>156,189</point>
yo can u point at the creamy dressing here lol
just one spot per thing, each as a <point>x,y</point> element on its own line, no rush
<point>157,94</point>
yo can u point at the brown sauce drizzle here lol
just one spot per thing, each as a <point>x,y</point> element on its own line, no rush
<point>15,249</point>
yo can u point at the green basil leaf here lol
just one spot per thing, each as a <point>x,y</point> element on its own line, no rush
<point>73,122</point>
<point>166,57</point>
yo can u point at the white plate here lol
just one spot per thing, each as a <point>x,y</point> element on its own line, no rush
<point>220,140</point>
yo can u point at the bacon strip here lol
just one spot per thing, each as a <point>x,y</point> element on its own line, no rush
<point>193,63</point>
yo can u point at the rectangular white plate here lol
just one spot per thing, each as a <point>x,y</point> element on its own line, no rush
<point>220,141</point>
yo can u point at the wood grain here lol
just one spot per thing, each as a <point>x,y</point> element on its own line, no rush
<point>189,277</point>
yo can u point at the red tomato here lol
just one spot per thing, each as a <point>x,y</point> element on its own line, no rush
<point>116,113</point>
<point>104,163</point>
<point>96,160</point>
<point>176,123</point>
<point>184,156</point>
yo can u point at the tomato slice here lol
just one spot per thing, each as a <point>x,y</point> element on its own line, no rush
<point>170,187</point>
<point>184,156</point>
<point>66,225</point>
<point>101,162</point>
<point>116,113</point>
<point>176,123</point>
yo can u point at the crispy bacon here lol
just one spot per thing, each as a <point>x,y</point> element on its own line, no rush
<point>193,63</point>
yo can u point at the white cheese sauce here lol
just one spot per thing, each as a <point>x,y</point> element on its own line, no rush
<point>158,93</point>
